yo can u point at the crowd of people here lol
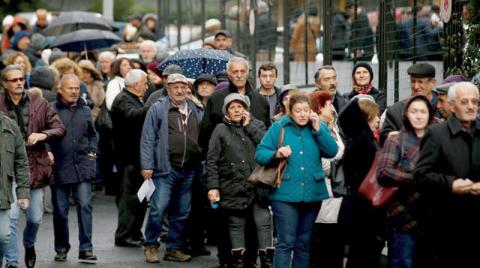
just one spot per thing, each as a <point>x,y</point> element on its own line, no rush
<point>72,124</point>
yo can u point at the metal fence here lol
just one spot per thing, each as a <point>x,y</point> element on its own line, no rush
<point>301,35</point>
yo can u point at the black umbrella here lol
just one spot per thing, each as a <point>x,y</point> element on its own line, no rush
<point>85,40</point>
<point>76,20</point>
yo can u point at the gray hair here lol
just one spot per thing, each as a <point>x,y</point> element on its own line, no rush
<point>148,43</point>
<point>134,76</point>
<point>68,76</point>
<point>324,67</point>
<point>108,55</point>
<point>9,68</point>
<point>452,91</point>
<point>237,59</point>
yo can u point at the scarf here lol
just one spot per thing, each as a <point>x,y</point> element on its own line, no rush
<point>363,89</point>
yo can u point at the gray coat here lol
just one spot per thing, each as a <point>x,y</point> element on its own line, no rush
<point>14,163</point>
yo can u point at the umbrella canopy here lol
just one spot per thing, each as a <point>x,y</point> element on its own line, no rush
<point>76,20</point>
<point>198,61</point>
<point>85,40</point>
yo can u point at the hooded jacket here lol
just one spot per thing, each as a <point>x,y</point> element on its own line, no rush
<point>230,160</point>
<point>259,109</point>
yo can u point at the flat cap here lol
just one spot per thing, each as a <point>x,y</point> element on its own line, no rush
<point>205,77</point>
<point>448,82</point>
<point>422,70</point>
<point>177,78</point>
<point>135,16</point>
<point>224,33</point>
<point>172,69</point>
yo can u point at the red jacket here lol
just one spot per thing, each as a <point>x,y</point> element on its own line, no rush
<point>42,119</point>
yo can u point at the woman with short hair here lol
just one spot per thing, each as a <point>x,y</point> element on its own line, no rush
<point>296,201</point>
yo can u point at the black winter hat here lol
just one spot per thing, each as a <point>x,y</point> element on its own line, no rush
<point>42,77</point>
<point>204,77</point>
<point>364,65</point>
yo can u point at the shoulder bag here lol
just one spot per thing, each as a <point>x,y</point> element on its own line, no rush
<point>270,175</point>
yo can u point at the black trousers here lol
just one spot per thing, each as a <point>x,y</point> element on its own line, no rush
<point>199,213</point>
<point>224,245</point>
<point>131,212</point>
<point>327,248</point>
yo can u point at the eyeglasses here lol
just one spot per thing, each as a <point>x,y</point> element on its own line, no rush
<point>15,80</point>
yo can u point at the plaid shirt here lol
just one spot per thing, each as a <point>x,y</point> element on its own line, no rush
<point>395,168</point>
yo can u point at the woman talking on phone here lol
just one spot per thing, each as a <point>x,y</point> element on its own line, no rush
<point>230,160</point>
<point>297,200</point>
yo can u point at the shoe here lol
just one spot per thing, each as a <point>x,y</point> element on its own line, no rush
<point>151,254</point>
<point>176,255</point>
<point>129,243</point>
<point>87,256</point>
<point>61,256</point>
<point>266,257</point>
<point>202,251</point>
<point>238,258</point>
<point>10,266</point>
<point>30,257</point>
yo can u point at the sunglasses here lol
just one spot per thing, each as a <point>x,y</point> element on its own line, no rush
<point>15,80</point>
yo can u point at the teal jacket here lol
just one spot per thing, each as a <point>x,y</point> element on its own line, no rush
<point>303,180</point>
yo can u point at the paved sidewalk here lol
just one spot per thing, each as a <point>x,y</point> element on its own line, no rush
<point>104,225</point>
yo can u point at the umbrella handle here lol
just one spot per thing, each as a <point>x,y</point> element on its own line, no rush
<point>85,47</point>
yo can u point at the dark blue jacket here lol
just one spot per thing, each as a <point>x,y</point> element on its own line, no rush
<point>154,150</point>
<point>72,164</point>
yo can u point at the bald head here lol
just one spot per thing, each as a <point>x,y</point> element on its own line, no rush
<point>69,88</point>
<point>41,17</point>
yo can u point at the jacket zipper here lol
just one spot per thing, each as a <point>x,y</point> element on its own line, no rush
<point>184,129</point>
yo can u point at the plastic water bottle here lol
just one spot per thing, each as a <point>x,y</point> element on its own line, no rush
<point>216,203</point>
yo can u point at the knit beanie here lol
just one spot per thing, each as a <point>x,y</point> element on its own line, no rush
<point>42,77</point>
<point>364,65</point>
<point>152,66</point>
<point>18,35</point>
<point>235,97</point>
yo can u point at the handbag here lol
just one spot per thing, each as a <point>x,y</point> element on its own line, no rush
<point>330,208</point>
<point>378,195</point>
<point>270,175</point>
<point>339,187</point>
<point>103,122</point>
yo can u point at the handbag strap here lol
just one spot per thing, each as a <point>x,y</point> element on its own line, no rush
<point>280,139</point>
<point>281,165</point>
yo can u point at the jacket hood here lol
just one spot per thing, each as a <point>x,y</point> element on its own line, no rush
<point>42,77</point>
<point>351,120</point>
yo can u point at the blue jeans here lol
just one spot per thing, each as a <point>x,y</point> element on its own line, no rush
<point>294,223</point>
<point>34,216</point>
<point>82,193</point>
<point>4,232</point>
<point>172,192</point>
<point>402,249</point>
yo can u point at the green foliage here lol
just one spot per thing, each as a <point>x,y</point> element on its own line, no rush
<point>122,9</point>
<point>472,34</point>
<point>465,48</point>
<point>14,6</point>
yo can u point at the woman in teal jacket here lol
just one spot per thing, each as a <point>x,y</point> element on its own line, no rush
<point>296,202</point>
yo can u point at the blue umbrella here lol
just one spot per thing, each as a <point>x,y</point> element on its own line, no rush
<point>85,40</point>
<point>198,61</point>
